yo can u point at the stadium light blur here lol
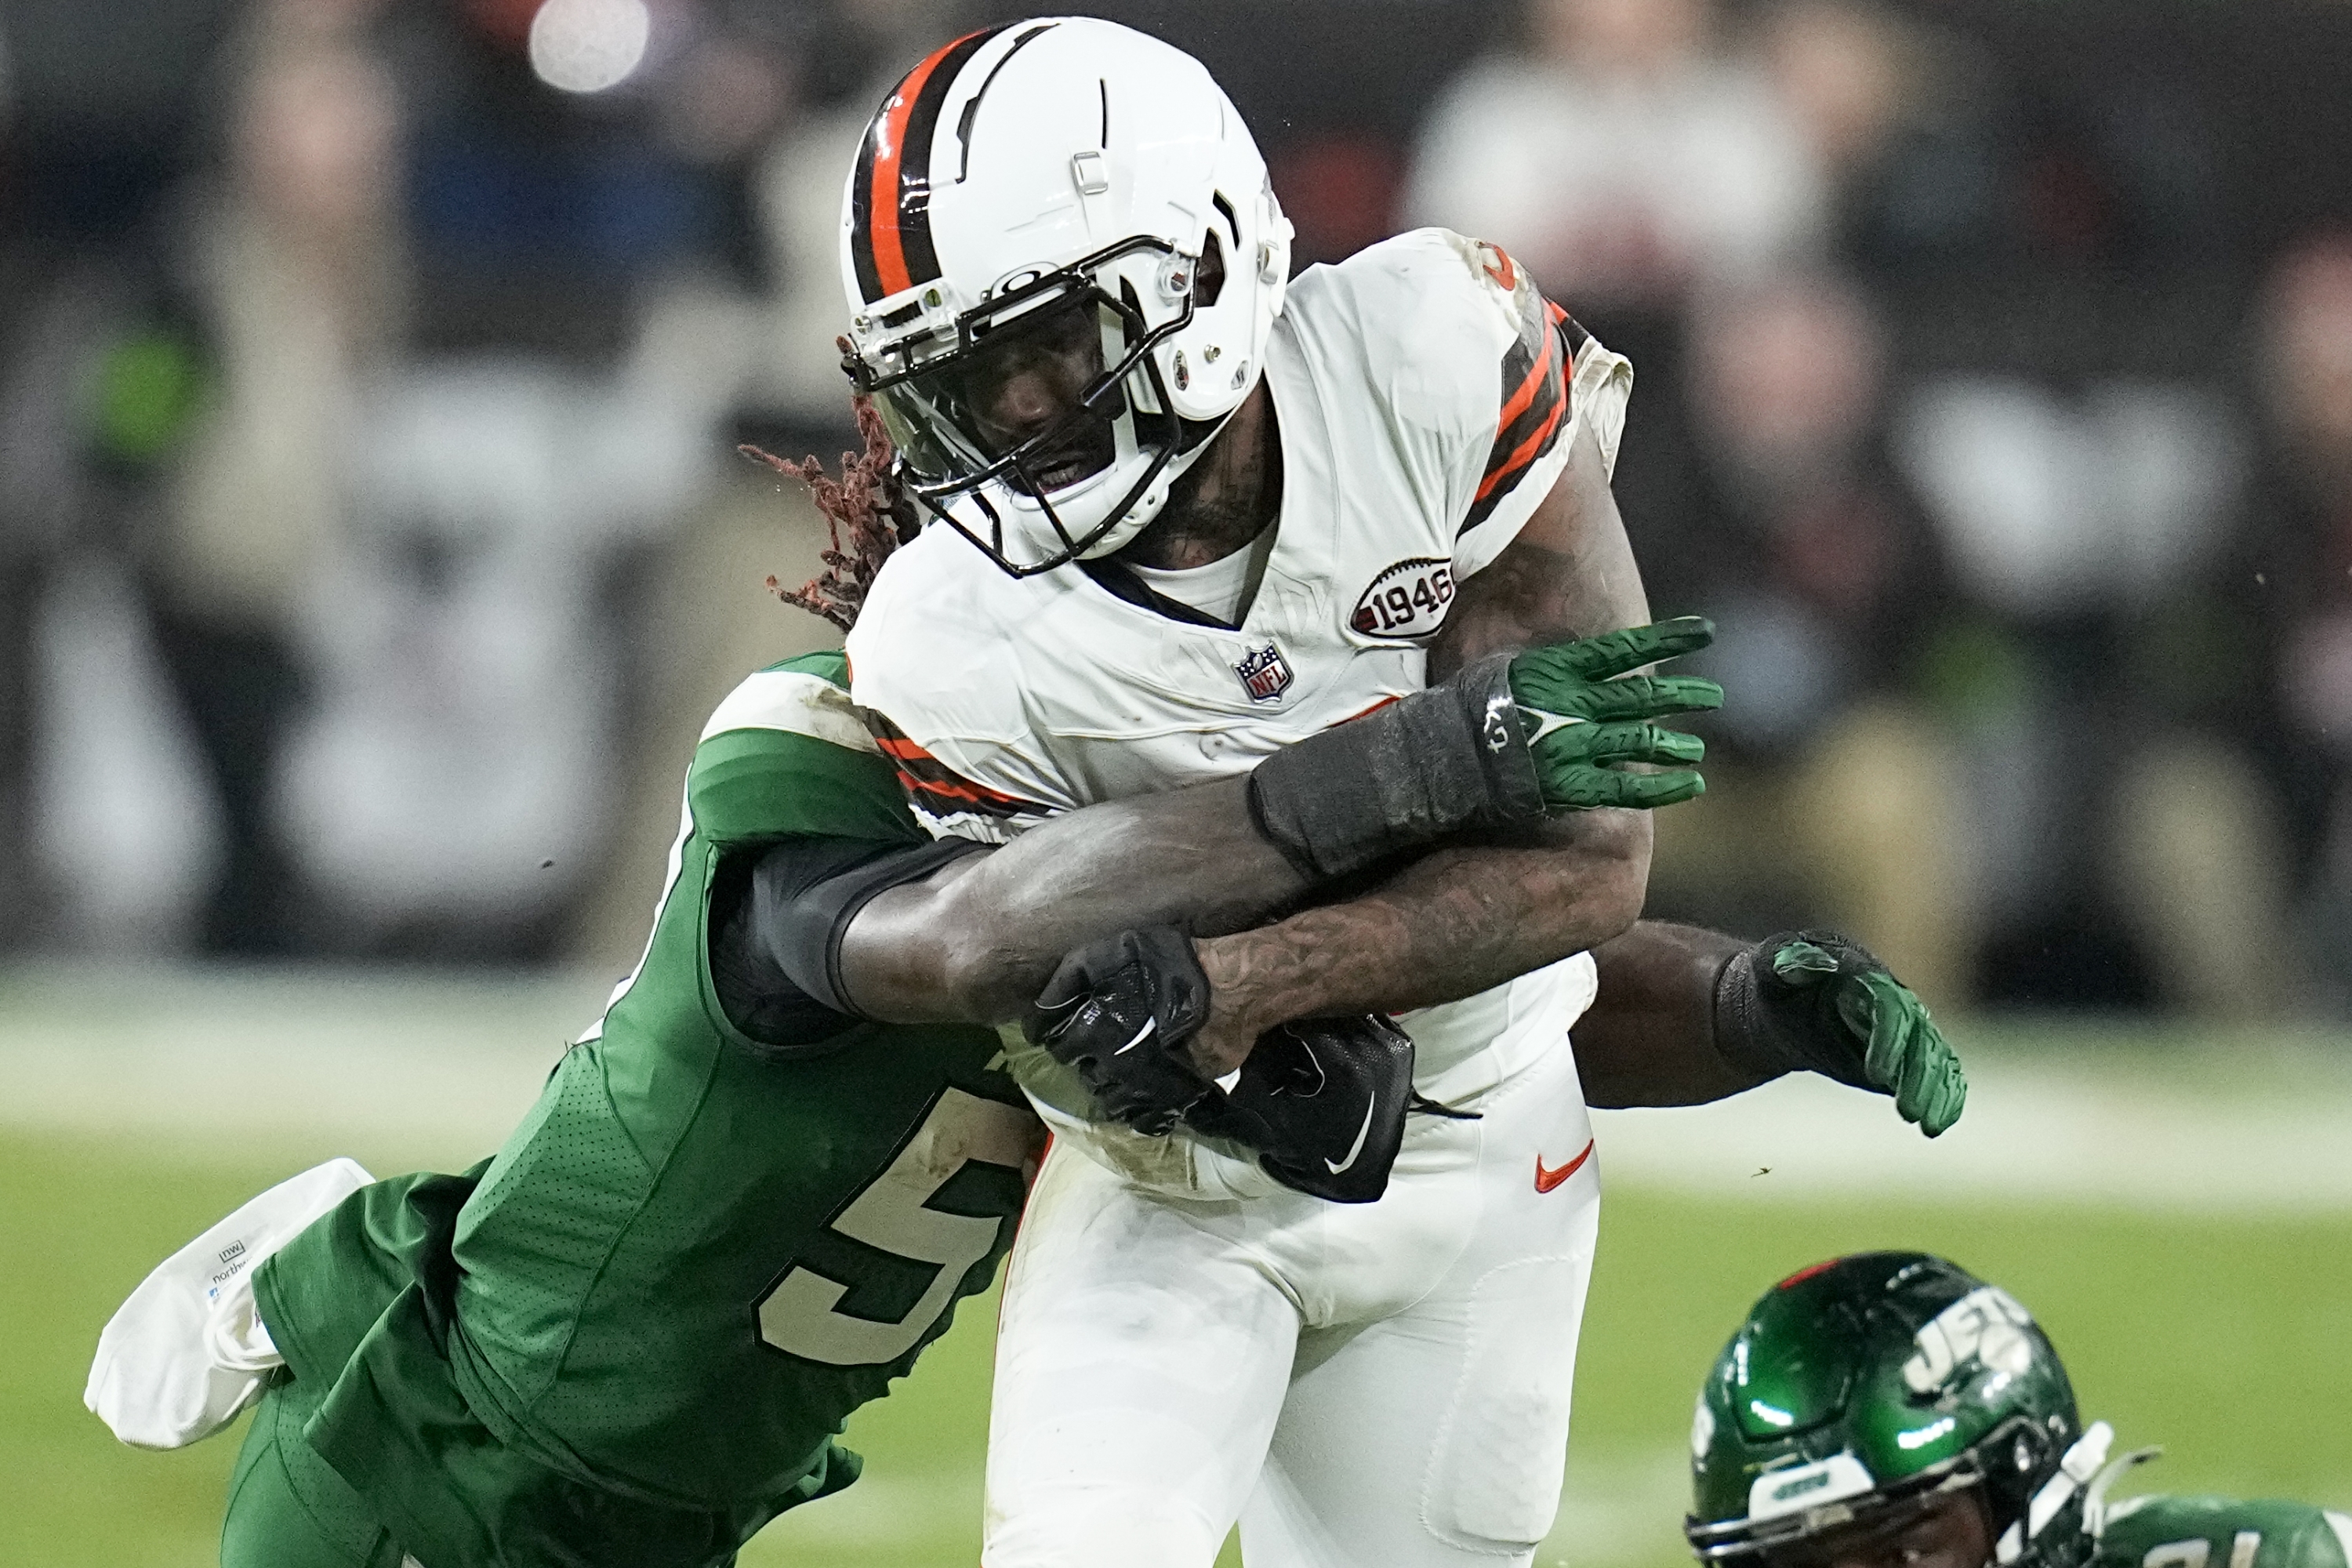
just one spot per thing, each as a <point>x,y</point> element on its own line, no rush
<point>587,46</point>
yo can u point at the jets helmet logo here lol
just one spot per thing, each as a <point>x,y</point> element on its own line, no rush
<point>1986,1325</point>
<point>1264,674</point>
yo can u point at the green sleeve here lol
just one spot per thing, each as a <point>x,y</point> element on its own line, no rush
<point>772,784</point>
<point>787,754</point>
<point>2221,1532</point>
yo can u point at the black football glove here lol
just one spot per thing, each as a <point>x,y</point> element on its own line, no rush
<point>1323,1101</point>
<point>1819,1001</point>
<point>1119,1011</point>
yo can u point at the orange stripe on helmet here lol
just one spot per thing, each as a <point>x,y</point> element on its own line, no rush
<point>889,147</point>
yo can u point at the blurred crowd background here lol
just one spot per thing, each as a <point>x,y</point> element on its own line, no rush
<point>371,541</point>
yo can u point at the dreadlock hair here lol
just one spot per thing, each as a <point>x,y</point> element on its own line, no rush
<point>866,515</point>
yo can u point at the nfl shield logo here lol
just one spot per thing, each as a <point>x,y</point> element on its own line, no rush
<point>1265,674</point>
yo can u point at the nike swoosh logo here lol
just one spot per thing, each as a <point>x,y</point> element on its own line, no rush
<point>1358,1147</point>
<point>1547,1180</point>
<point>1140,1035</point>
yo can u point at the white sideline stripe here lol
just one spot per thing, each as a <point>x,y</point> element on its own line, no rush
<point>2030,1131</point>
<point>440,1069</point>
<point>411,1073</point>
<point>793,700</point>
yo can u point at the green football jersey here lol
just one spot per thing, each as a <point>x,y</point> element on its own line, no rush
<point>2221,1532</point>
<point>699,1252</point>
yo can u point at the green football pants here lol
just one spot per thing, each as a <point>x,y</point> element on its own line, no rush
<point>286,1508</point>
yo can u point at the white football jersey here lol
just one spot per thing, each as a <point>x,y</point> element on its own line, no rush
<point>1426,395</point>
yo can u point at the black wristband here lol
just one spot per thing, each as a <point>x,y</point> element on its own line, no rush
<point>1432,763</point>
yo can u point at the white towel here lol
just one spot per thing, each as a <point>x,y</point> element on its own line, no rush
<point>188,1350</point>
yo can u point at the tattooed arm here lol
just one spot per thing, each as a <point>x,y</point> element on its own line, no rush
<point>1461,920</point>
<point>976,939</point>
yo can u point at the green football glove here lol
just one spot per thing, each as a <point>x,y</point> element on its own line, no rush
<point>1608,709</point>
<point>1445,760</point>
<point>1819,1000</point>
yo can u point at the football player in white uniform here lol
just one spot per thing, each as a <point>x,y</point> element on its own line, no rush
<point>1226,510</point>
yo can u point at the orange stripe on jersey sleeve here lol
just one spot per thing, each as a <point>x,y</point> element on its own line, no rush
<point>1535,406</point>
<point>969,795</point>
<point>1570,336</point>
<point>931,782</point>
<point>1519,402</point>
<point>1526,452</point>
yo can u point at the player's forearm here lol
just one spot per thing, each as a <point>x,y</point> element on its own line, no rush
<point>1449,926</point>
<point>1650,1037</point>
<point>1462,921</point>
<point>977,941</point>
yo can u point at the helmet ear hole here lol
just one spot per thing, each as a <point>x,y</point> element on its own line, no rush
<point>1209,274</point>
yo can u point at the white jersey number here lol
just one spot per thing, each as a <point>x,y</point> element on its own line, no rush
<point>800,1316</point>
<point>2196,1553</point>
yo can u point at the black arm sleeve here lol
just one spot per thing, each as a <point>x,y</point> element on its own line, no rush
<point>777,915</point>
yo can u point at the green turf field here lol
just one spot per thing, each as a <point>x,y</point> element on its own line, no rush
<point>2221,1336</point>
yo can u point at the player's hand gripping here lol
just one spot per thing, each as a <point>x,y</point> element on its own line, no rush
<point>1817,1000</point>
<point>1322,1101</point>
<point>1610,714</point>
<point>1119,1012</point>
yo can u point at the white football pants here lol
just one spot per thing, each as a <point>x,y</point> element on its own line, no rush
<point>1377,1385</point>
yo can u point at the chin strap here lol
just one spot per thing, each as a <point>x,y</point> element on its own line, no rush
<point>2075,1469</point>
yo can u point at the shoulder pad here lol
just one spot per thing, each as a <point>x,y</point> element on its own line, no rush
<point>796,699</point>
<point>1423,325</point>
<point>1460,342</point>
<point>825,663</point>
<point>956,731</point>
<point>938,591</point>
<point>785,754</point>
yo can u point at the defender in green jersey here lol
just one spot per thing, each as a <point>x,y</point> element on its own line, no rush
<point>1890,1410</point>
<point>735,1214</point>
<point>631,1336</point>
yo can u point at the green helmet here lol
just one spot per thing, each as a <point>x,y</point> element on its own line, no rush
<point>1874,1382</point>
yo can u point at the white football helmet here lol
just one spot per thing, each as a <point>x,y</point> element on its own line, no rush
<point>1062,261</point>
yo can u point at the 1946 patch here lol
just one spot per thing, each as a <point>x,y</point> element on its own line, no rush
<point>1407,602</point>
